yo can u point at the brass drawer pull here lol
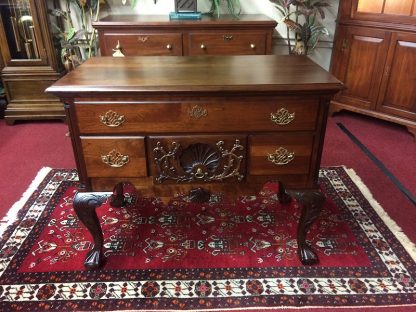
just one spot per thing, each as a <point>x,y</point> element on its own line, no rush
<point>197,112</point>
<point>112,119</point>
<point>282,117</point>
<point>203,47</point>
<point>117,50</point>
<point>281,156</point>
<point>228,37</point>
<point>115,159</point>
<point>142,39</point>
<point>253,46</point>
<point>169,47</point>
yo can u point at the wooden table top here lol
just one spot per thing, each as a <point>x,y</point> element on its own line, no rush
<point>245,20</point>
<point>252,73</point>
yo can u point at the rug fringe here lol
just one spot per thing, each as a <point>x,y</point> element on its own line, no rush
<point>391,224</point>
<point>12,213</point>
<point>277,308</point>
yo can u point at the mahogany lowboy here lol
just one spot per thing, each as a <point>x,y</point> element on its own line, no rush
<point>207,124</point>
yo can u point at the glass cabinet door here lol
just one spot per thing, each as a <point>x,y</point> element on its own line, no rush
<point>394,7</point>
<point>20,32</point>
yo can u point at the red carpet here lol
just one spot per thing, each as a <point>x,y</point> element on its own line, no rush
<point>390,143</point>
<point>206,256</point>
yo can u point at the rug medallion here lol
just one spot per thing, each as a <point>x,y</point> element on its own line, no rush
<point>217,255</point>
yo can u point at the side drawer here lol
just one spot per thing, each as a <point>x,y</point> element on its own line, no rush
<point>222,115</point>
<point>114,156</point>
<point>279,154</point>
<point>143,44</point>
<point>227,43</point>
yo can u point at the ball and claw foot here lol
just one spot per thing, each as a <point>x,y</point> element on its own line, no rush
<point>93,260</point>
<point>85,205</point>
<point>312,202</point>
<point>306,255</point>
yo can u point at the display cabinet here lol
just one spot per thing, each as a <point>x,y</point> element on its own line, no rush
<point>30,61</point>
<point>375,56</point>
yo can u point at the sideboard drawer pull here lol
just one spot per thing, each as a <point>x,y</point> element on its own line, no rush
<point>112,119</point>
<point>252,46</point>
<point>115,159</point>
<point>203,47</point>
<point>228,37</point>
<point>197,112</point>
<point>117,50</point>
<point>169,47</point>
<point>282,117</point>
<point>281,156</point>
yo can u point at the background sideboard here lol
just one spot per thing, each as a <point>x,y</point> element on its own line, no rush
<point>132,35</point>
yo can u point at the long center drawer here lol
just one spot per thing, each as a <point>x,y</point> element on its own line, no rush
<point>180,117</point>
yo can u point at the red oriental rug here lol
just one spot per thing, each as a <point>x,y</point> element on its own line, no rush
<point>218,255</point>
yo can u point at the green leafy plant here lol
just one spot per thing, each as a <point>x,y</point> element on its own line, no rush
<point>233,6</point>
<point>76,44</point>
<point>303,17</point>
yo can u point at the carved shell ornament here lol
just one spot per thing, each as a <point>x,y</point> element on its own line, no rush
<point>199,160</point>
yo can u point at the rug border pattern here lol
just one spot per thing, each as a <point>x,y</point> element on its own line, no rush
<point>205,289</point>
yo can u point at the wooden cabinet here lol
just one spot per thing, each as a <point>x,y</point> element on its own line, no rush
<point>184,124</point>
<point>157,35</point>
<point>375,56</point>
<point>30,62</point>
<point>154,99</point>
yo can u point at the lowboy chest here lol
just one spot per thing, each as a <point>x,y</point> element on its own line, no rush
<point>213,123</point>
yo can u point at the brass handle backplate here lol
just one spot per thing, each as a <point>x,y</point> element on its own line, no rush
<point>281,156</point>
<point>112,119</point>
<point>282,117</point>
<point>142,38</point>
<point>115,159</point>
<point>228,37</point>
<point>197,112</point>
<point>344,44</point>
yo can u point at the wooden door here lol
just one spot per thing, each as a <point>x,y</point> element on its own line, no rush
<point>398,91</point>
<point>358,61</point>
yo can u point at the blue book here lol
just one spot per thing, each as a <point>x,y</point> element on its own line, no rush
<point>185,15</point>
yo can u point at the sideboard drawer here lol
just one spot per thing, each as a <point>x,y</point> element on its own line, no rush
<point>143,44</point>
<point>264,114</point>
<point>114,156</point>
<point>225,43</point>
<point>280,154</point>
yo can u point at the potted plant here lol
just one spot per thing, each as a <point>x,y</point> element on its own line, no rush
<point>233,7</point>
<point>303,17</point>
<point>76,42</point>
